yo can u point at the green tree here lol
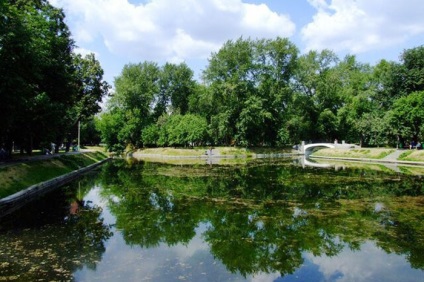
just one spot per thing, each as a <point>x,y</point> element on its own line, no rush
<point>276,62</point>
<point>35,50</point>
<point>183,130</point>
<point>231,77</point>
<point>110,124</point>
<point>387,77</point>
<point>90,135</point>
<point>176,86</point>
<point>45,89</point>
<point>135,92</point>
<point>91,86</point>
<point>150,135</point>
<point>14,77</point>
<point>89,89</point>
<point>357,88</point>
<point>413,66</point>
<point>317,87</point>
<point>407,115</point>
<point>249,85</point>
<point>196,128</point>
<point>327,125</point>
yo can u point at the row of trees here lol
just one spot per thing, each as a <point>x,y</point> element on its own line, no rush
<point>263,92</point>
<point>253,92</point>
<point>45,88</point>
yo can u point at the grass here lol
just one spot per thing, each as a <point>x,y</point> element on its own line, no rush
<point>366,153</point>
<point>240,152</point>
<point>94,148</point>
<point>22,175</point>
<point>412,155</point>
<point>412,170</point>
<point>201,151</point>
<point>354,165</point>
<point>234,151</point>
<point>172,152</point>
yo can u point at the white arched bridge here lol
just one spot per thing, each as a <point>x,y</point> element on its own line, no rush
<point>305,148</point>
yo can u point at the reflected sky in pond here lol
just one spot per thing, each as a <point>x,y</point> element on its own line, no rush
<point>260,221</point>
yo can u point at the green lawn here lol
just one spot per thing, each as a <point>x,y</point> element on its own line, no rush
<point>200,151</point>
<point>365,153</point>
<point>22,175</point>
<point>412,155</point>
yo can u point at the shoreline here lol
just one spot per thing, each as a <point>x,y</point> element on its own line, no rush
<point>336,155</point>
<point>365,160</point>
<point>14,201</point>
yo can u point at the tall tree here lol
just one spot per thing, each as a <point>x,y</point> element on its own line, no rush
<point>37,46</point>
<point>249,82</point>
<point>176,86</point>
<point>357,87</point>
<point>91,88</point>
<point>231,76</point>
<point>317,89</point>
<point>134,97</point>
<point>276,63</point>
<point>413,65</point>
<point>15,70</point>
<point>407,116</point>
<point>388,77</point>
<point>44,88</point>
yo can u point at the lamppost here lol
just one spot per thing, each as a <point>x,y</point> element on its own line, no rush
<point>79,134</point>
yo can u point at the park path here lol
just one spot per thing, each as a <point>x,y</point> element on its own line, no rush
<point>393,156</point>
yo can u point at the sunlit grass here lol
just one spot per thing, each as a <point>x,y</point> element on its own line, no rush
<point>367,153</point>
<point>22,175</point>
<point>412,170</point>
<point>203,151</point>
<point>412,155</point>
<point>172,151</point>
<point>94,148</point>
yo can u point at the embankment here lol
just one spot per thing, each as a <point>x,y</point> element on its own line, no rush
<point>21,182</point>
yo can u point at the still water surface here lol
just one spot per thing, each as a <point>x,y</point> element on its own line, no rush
<point>265,220</point>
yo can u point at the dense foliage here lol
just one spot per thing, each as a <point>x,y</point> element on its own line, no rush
<point>264,92</point>
<point>45,88</point>
<point>253,93</point>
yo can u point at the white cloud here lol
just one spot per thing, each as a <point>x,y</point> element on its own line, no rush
<point>169,29</point>
<point>85,52</point>
<point>370,264</point>
<point>358,26</point>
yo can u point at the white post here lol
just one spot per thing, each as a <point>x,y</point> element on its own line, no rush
<point>79,131</point>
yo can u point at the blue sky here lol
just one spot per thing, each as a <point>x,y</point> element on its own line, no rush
<point>132,31</point>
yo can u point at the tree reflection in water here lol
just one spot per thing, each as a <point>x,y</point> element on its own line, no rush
<point>263,216</point>
<point>53,237</point>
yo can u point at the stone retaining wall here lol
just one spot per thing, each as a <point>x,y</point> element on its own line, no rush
<point>19,199</point>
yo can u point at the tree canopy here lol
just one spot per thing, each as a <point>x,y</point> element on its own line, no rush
<point>265,93</point>
<point>260,92</point>
<point>45,88</point>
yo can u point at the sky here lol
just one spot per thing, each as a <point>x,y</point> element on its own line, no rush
<point>120,32</point>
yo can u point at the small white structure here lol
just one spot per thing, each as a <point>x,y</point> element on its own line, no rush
<point>305,148</point>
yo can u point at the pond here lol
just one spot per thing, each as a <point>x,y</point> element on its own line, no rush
<point>260,220</point>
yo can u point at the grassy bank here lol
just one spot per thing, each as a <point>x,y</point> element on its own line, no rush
<point>218,151</point>
<point>363,153</point>
<point>20,176</point>
<point>412,155</point>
